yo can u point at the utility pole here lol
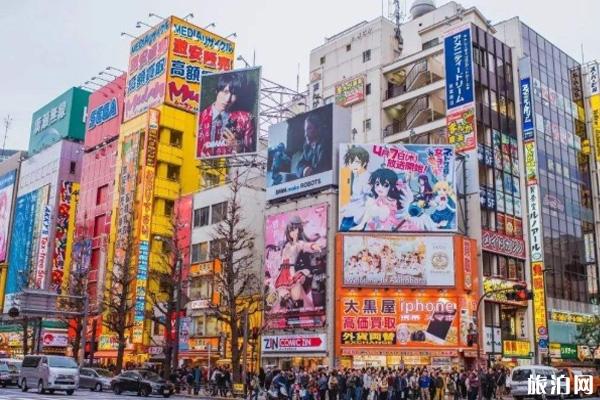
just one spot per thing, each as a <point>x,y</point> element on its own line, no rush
<point>86,305</point>
<point>245,351</point>
<point>178,314</point>
<point>7,121</point>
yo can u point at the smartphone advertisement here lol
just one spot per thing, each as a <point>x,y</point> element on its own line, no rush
<point>400,321</point>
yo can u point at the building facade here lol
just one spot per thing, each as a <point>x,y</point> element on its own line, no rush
<point>563,244</point>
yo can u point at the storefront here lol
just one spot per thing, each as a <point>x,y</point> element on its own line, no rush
<point>293,351</point>
<point>423,317</point>
<point>201,350</point>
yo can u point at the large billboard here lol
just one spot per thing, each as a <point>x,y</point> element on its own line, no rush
<point>63,117</point>
<point>7,184</point>
<point>460,88</point>
<point>192,52</point>
<point>398,261</point>
<point>66,206</point>
<point>146,75</point>
<point>296,268</point>
<point>302,149</point>
<point>228,118</point>
<point>350,91</point>
<point>397,188</point>
<point>105,112</point>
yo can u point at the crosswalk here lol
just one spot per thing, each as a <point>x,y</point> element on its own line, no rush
<point>13,393</point>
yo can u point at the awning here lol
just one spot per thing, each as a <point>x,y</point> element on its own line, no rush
<point>199,353</point>
<point>108,353</point>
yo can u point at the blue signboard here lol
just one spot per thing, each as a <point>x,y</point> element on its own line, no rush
<point>102,113</point>
<point>458,55</point>
<point>20,244</point>
<point>526,108</point>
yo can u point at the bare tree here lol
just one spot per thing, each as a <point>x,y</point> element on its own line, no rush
<point>118,302</point>
<point>166,273</point>
<point>237,282</point>
<point>73,306</point>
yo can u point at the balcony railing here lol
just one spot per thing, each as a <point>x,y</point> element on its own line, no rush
<point>421,73</point>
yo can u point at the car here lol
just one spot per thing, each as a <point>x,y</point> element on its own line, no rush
<point>49,373</point>
<point>14,367</point>
<point>5,378</point>
<point>95,379</point>
<point>572,372</point>
<point>520,376</point>
<point>142,382</point>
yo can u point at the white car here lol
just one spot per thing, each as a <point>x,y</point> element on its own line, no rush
<point>520,378</point>
<point>49,373</point>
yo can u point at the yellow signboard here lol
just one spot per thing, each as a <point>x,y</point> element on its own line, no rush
<point>595,104</point>
<point>539,304</point>
<point>516,348</point>
<point>530,162</point>
<point>192,51</point>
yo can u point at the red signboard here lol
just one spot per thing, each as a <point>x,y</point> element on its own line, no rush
<point>498,243</point>
<point>301,343</point>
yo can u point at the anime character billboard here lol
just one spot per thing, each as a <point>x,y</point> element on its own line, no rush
<point>397,188</point>
<point>295,268</point>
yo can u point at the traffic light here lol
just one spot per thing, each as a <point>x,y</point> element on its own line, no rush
<point>519,293</point>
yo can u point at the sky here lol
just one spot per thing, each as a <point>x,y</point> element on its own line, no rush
<point>48,46</point>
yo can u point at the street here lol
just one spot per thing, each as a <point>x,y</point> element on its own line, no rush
<point>14,393</point>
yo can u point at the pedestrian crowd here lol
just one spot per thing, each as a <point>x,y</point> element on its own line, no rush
<point>422,383</point>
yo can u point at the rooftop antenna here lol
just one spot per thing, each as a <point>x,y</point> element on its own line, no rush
<point>7,121</point>
<point>398,16</point>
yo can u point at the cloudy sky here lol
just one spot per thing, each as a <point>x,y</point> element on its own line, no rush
<point>48,46</point>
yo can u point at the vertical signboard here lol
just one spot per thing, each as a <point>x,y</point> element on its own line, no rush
<point>61,234</point>
<point>526,109</point>
<point>7,184</point>
<point>460,94</point>
<point>146,75</point>
<point>192,51</point>
<point>148,176</point>
<point>40,269</point>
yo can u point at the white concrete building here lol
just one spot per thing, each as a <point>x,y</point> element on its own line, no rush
<point>359,51</point>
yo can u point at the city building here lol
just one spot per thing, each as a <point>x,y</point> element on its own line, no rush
<point>562,236</point>
<point>105,113</point>
<point>346,70</point>
<point>62,118</point>
<point>157,139</point>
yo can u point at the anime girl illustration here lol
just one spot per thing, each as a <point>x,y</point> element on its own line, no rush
<point>382,208</point>
<point>445,210</point>
<point>293,283</point>
<point>425,194</point>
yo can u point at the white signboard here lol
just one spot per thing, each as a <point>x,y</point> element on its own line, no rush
<point>54,339</point>
<point>294,343</point>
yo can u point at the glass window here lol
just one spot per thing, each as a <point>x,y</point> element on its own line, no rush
<point>218,248</point>
<point>176,138</point>
<point>201,216</point>
<point>218,212</point>
<point>366,55</point>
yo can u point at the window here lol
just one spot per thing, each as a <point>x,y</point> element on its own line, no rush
<point>430,43</point>
<point>348,47</point>
<point>367,125</point>
<point>169,205</point>
<point>316,87</point>
<point>322,60</point>
<point>173,172</point>
<point>368,89</point>
<point>176,138</point>
<point>72,167</point>
<point>219,211</point>
<point>366,55</point>
<point>217,248</point>
<point>201,216</point>
<point>210,180</point>
<point>199,252</point>
<point>101,194</point>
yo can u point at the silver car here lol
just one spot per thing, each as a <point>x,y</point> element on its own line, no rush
<point>95,379</point>
<point>49,373</point>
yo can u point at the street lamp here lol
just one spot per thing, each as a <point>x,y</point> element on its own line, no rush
<point>233,35</point>
<point>139,24</point>
<point>211,25</point>
<point>516,287</point>
<point>128,34</point>
<point>155,15</point>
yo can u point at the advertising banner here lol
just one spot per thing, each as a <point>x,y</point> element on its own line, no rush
<point>40,268</point>
<point>403,261</point>
<point>147,72</point>
<point>61,234</point>
<point>107,342</point>
<point>530,162</point>
<point>595,106</point>
<point>494,284</point>
<point>460,95</point>
<point>535,223</point>
<point>82,254</point>
<point>294,343</point>
<point>103,113</point>
<point>19,259</point>
<point>228,118</point>
<point>526,109</point>
<point>55,339</point>
<point>593,79</point>
<point>296,267</point>
<point>350,91</point>
<point>570,317</point>
<point>501,244</point>
<point>397,188</point>
<point>192,52</point>
<point>7,184</point>
<point>516,348</point>
<point>576,85</point>
<point>462,128</point>
<point>399,321</point>
<point>493,340</point>
<point>301,151</point>
<point>539,305</point>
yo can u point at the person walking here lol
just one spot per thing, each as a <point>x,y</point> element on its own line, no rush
<point>333,386</point>
<point>472,384</point>
<point>425,385</point>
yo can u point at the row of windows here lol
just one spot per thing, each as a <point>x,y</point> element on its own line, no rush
<point>210,214</point>
<point>498,266</point>
<point>366,55</point>
<point>205,251</point>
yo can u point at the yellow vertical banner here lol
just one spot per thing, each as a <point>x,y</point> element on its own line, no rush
<point>595,105</point>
